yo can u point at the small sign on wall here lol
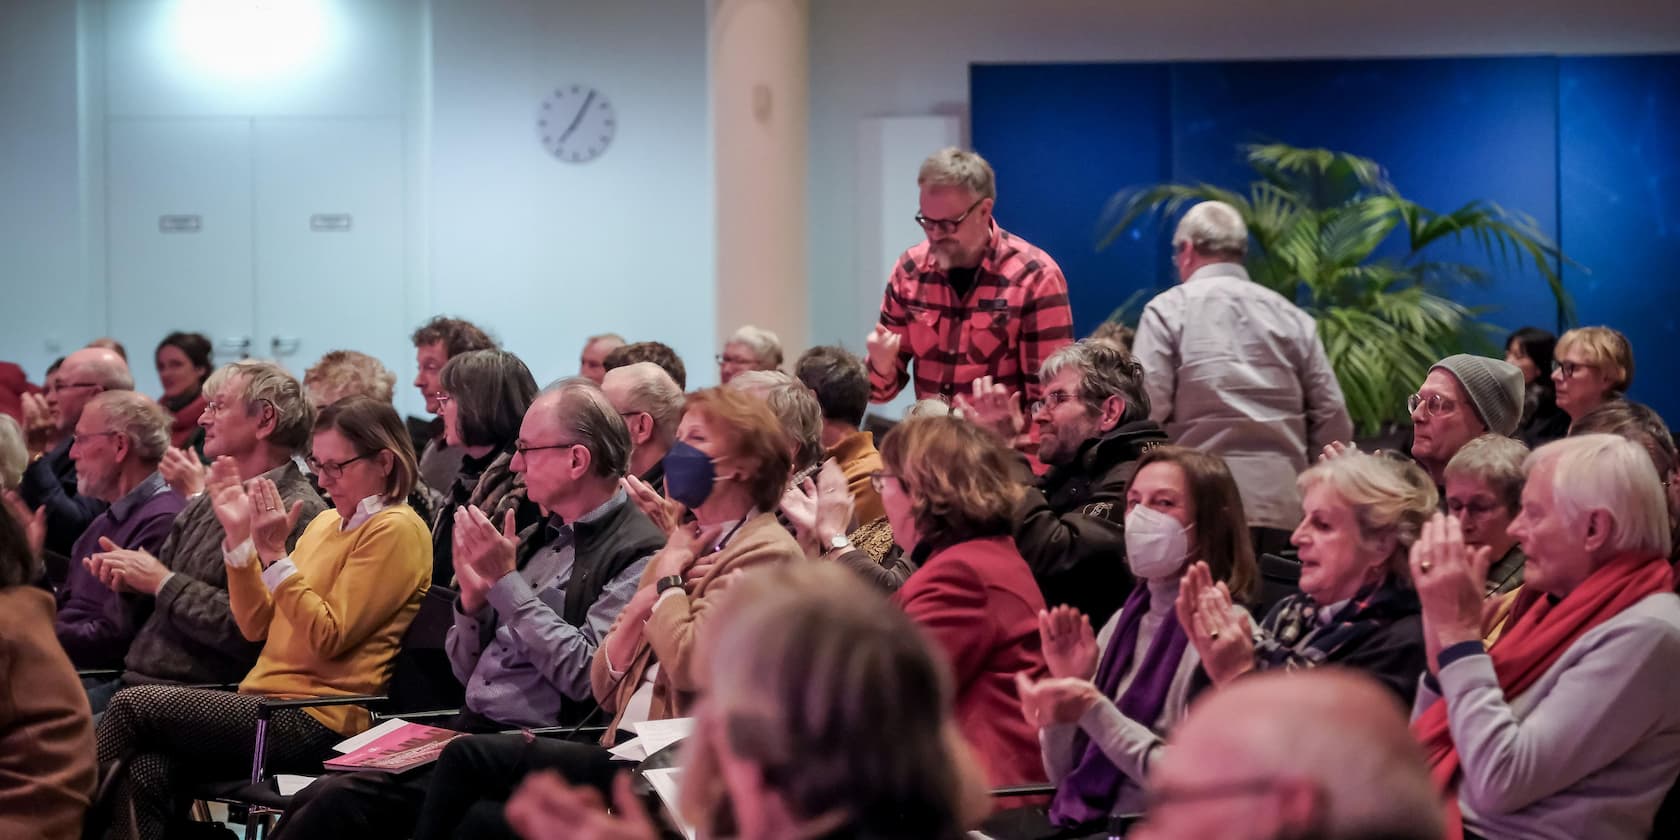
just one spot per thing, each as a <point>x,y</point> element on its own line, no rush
<point>180,223</point>
<point>329,223</point>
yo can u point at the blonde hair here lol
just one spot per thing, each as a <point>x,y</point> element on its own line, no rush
<point>372,426</point>
<point>1389,497</point>
<point>1610,473</point>
<point>14,456</point>
<point>348,373</point>
<point>954,167</point>
<point>765,346</point>
<point>794,405</point>
<point>1605,347</point>
<point>1213,227</point>
<point>138,418</point>
<point>294,417</point>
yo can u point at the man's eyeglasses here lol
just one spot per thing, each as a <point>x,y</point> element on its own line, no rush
<point>734,360</point>
<point>1568,369</point>
<point>1435,404</point>
<point>945,225</point>
<point>1051,400</point>
<point>65,386</point>
<point>523,448</point>
<point>330,469</point>
<point>81,439</point>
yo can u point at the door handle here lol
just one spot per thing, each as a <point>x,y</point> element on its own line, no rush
<point>235,345</point>
<point>284,345</point>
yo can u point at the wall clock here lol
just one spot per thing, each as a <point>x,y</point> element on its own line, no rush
<point>576,123</point>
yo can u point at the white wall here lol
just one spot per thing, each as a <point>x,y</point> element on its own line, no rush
<point>546,252</point>
<point>875,58</point>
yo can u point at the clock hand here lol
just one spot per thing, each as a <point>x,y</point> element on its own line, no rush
<point>577,120</point>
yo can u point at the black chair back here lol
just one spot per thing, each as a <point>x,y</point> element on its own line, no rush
<point>421,678</point>
<point>1280,577</point>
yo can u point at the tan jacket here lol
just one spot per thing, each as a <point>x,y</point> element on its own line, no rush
<point>46,731</point>
<point>669,635</point>
<point>857,457</point>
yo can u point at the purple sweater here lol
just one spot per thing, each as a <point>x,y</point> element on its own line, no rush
<point>95,624</point>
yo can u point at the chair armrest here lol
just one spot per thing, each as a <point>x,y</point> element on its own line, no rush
<point>426,715</point>
<point>99,673</point>
<point>270,704</point>
<point>1024,790</point>
<point>594,732</point>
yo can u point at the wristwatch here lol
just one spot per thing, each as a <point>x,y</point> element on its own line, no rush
<point>839,543</point>
<point>669,582</point>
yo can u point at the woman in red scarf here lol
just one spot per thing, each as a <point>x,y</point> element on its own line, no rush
<point>1568,726</point>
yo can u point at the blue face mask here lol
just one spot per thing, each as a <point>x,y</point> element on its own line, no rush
<point>689,475</point>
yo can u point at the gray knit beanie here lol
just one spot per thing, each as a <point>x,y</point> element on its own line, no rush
<point>1495,388</point>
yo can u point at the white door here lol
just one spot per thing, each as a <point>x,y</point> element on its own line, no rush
<point>329,252</point>
<point>179,235</point>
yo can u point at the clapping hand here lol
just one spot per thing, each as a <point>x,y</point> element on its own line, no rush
<point>1221,631</point>
<point>1070,648</point>
<point>665,513</point>
<point>184,472</point>
<point>229,501</point>
<point>34,522</point>
<point>481,554</point>
<point>1055,700</point>
<point>883,345</point>
<point>271,522</point>
<point>1336,449</point>
<point>120,568</point>
<point>545,807</point>
<point>1449,577</point>
<point>40,425</point>
<point>995,408</point>
<point>821,509</point>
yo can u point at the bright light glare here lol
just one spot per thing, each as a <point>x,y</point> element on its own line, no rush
<point>251,39</point>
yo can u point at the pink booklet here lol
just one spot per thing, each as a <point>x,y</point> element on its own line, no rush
<point>400,750</point>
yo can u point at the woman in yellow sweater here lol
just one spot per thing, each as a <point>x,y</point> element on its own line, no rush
<point>331,616</point>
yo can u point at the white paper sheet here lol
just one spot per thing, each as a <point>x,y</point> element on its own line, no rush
<point>289,785</point>
<point>350,745</point>
<point>659,734</point>
<point>667,782</point>
<point>631,750</point>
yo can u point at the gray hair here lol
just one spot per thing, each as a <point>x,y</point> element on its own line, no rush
<point>14,456</point>
<point>1614,474</point>
<point>138,418</point>
<point>954,167</point>
<point>1388,497</point>
<point>1105,371</point>
<point>618,340</point>
<point>654,391</point>
<point>764,344</point>
<point>104,366</point>
<point>348,373</point>
<point>928,408</point>
<point>794,405</point>
<point>1496,460</point>
<point>492,390</point>
<point>294,416</point>
<point>1214,228</point>
<point>582,412</point>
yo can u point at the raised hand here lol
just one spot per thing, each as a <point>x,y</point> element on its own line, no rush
<point>834,503</point>
<point>799,505</point>
<point>665,513</point>
<point>1070,648</point>
<point>185,473</point>
<point>1449,577</point>
<point>1055,700</point>
<point>491,553</point>
<point>883,348</point>
<point>1221,631</point>
<point>995,408</point>
<point>34,522</point>
<point>546,808</point>
<point>40,425</point>
<point>1336,449</point>
<point>271,522</point>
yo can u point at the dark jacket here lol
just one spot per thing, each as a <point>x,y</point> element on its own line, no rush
<point>1071,528</point>
<point>489,484</point>
<point>96,623</point>
<point>191,637</point>
<point>50,482</point>
<point>1380,632</point>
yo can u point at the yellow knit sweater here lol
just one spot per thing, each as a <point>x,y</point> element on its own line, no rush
<point>333,628</point>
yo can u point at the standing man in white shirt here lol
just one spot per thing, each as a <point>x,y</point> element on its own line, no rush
<point>1236,369</point>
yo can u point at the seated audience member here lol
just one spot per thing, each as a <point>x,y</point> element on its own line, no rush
<point>651,404</point>
<point>825,714</point>
<point>524,632</point>
<point>1356,607</point>
<point>1642,425</point>
<point>595,350</point>
<point>1484,492</point>
<point>330,613</point>
<point>820,512</point>
<point>255,421</point>
<point>948,492</point>
<point>435,343</point>
<point>729,467</point>
<point>183,363</point>
<point>50,480</point>
<point>1093,426</point>
<point>14,454</point>
<point>1567,727</point>
<point>1593,366</point>
<point>41,431</point>
<point>840,382</point>
<point>1462,398</point>
<point>1101,724</point>
<point>1530,349</point>
<point>117,445</point>
<point>749,348</point>
<point>483,396</point>
<point>649,351</point>
<point>111,344</point>
<point>1115,333</point>
<point>797,409</point>
<point>1322,755</point>
<point>348,373</point>
<point>14,385</point>
<point>46,735</point>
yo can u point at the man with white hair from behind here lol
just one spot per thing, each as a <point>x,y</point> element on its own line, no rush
<point>1235,369</point>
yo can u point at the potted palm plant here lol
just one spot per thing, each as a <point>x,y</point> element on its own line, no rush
<point>1318,219</point>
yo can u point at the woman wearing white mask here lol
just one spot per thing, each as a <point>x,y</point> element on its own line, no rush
<point>1102,719</point>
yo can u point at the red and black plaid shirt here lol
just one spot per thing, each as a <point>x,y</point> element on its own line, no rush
<point>1014,316</point>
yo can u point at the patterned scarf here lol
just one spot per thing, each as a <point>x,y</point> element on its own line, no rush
<point>1293,636</point>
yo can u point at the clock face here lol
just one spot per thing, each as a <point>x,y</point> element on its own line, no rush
<point>576,123</point>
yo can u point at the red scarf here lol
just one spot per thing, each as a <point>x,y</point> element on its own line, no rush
<point>1532,645</point>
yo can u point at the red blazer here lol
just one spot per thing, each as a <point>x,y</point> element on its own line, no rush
<point>978,601</point>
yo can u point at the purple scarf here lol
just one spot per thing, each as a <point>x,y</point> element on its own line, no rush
<point>1090,791</point>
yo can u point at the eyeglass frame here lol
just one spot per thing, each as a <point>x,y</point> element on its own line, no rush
<point>1051,399</point>
<point>333,470</point>
<point>520,448</point>
<point>945,225</point>
<point>878,477</point>
<point>723,359</point>
<point>1416,401</point>
<point>77,437</point>
<point>1568,369</point>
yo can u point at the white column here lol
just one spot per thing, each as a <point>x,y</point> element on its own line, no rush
<point>760,72</point>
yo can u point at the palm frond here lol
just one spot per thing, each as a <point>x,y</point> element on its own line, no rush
<point>1157,203</point>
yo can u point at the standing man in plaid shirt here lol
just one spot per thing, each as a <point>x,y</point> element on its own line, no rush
<point>972,301</point>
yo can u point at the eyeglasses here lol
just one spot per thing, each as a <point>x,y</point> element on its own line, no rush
<point>1434,403</point>
<point>80,439</point>
<point>945,225</point>
<point>217,406</point>
<point>734,360</point>
<point>1568,369</point>
<point>877,478</point>
<point>522,448</point>
<point>65,386</point>
<point>1051,400</point>
<point>330,469</point>
<point>1476,510</point>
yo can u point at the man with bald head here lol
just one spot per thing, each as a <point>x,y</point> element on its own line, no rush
<point>1299,755</point>
<point>50,480</point>
<point>651,404</point>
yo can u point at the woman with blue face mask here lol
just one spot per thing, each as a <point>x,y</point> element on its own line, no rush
<point>1112,696</point>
